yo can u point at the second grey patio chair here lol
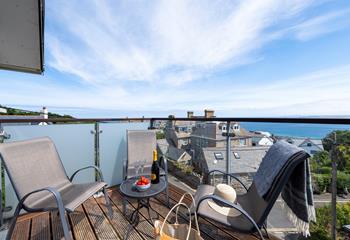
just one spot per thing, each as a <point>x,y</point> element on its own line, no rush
<point>253,208</point>
<point>41,183</point>
<point>141,144</point>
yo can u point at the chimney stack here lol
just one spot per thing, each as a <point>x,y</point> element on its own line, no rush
<point>208,113</point>
<point>189,114</point>
<point>171,123</point>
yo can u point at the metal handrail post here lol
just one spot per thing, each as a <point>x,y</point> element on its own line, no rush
<point>334,187</point>
<point>97,133</point>
<point>228,150</point>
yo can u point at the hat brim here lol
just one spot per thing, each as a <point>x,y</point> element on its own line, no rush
<point>226,211</point>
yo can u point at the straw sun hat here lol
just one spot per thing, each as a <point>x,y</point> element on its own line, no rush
<point>229,194</point>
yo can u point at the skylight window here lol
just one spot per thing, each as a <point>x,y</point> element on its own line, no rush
<point>236,155</point>
<point>218,156</point>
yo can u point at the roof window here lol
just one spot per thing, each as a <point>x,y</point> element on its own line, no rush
<point>219,156</point>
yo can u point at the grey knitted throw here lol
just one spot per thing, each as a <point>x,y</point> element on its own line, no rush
<point>297,194</point>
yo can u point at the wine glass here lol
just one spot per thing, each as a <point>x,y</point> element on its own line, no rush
<point>137,167</point>
<point>143,162</point>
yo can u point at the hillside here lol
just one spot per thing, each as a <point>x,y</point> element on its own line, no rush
<point>16,111</point>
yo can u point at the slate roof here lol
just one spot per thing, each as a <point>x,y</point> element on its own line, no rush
<point>248,161</point>
<point>301,141</point>
<point>170,151</point>
<point>163,146</point>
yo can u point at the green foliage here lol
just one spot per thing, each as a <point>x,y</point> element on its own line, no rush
<point>343,157</point>
<point>342,136</point>
<point>340,152</point>
<point>183,167</point>
<point>15,111</point>
<point>343,180</point>
<point>321,182</point>
<point>325,170</point>
<point>319,160</point>
<point>160,135</point>
<point>322,228</point>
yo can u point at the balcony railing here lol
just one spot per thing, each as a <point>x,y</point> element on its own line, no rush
<point>102,141</point>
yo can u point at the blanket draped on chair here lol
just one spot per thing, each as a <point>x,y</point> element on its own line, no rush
<point>297,194</point>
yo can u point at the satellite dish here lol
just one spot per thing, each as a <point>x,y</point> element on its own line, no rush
<point>22,35</point>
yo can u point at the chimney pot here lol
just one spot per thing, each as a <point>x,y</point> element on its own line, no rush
<point>189,114</point>
<point>209,113</point>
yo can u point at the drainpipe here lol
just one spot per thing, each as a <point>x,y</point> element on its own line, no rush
<point>151,124</point>
<point>228,150</point>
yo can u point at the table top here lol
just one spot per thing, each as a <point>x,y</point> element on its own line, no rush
<point>128,188</point>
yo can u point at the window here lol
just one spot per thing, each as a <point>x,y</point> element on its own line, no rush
<point>309,144</point>
<point>312,152</point>
<point>218,156</point>
<point>242,142</point>
<point>236,155</point>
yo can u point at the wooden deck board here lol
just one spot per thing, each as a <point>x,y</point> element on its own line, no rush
<point>118,221</point>
<point>98,220</point>
<point>41,227</point>
<point>144,228</point>
<point>22,230</point>
<point>90,221</point>
<point>162,212</point>
<point>56,226</point>
<point>81,227</point>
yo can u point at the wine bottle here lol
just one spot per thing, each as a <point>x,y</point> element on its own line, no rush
<point>155,168</point>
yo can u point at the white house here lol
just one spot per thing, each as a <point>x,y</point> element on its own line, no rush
<point>311,146</point>
<point>3,110</point>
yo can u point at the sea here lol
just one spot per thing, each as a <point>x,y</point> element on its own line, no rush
<point>315,131</point>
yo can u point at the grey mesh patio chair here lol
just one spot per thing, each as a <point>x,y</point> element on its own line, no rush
<point>41,183</point>
<point>254,209</point>
<point>141,144</point>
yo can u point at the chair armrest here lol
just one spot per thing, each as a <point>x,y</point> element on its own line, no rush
<point>88,167</point>
<point>232,205</point>
<point>165,165</point>
<point>227,174</point>
<point>125,172</point>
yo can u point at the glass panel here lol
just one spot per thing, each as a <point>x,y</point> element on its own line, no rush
<point>74,143</point>
<point>113,149</point>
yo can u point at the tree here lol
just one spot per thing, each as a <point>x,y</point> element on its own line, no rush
<point>320,159</point>
<point>342,149</point>
<point>342,137</point>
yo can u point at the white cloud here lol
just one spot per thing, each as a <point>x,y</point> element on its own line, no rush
<point>316,93</point>
<point>323,24</point>
<point>142,56</point>
<point>173,41</point>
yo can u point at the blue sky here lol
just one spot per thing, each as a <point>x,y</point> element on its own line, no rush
<point>153,58</point>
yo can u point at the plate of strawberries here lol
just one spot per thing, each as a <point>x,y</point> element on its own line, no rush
<point>142,184</point>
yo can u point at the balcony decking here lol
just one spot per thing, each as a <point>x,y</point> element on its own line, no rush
<point>90,221</point>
